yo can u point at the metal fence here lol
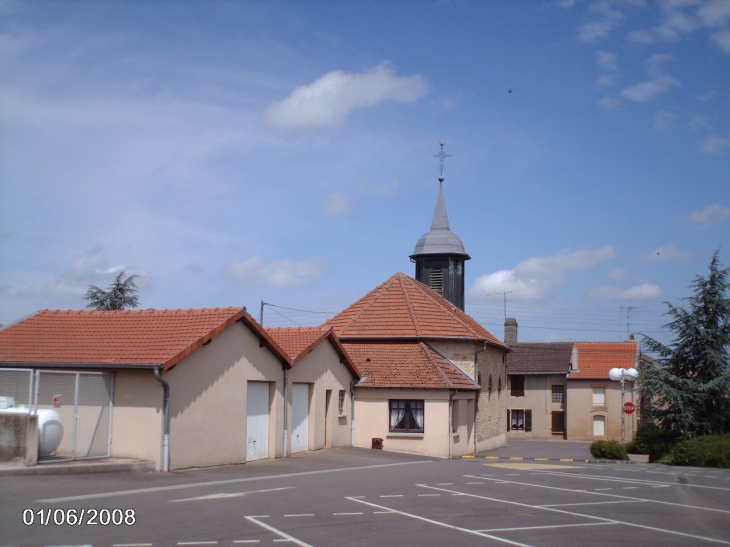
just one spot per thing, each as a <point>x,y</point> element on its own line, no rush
<point>74,409</point>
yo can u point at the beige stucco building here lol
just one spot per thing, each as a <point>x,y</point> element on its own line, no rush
<point>421,359</point>
<point>183,388</point>
<point>594,401</point>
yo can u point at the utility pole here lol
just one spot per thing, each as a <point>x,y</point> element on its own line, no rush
<point>628,322</point>
<point>261,314</point>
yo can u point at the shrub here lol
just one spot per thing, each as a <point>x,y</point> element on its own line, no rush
<point>609,450</point>
<point>652,440</point>
<point>707,451</point>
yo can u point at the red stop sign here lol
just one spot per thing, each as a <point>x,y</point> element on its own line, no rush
<point>629,407</point>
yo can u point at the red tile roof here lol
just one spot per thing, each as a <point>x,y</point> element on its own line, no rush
<point>297,342</point>
<point>128,337</point>
<point>595,359</point>
<point>404,308</point>
<point>407,365</point>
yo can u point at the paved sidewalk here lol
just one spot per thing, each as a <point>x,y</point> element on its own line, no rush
<point>542,449</point>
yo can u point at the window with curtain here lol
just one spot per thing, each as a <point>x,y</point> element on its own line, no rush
<point>406,415</point>
<point>599,396</point>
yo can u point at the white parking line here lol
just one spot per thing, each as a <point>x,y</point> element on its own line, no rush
<point>665,531</point>
<point>437,523</point>
<point>278,532</point>
<point>392,496</point>
<point>246,541</point>
<point>232,495</point>
<point>301,515</point>
<point>602,489</point>
<point>345,514</point>
<point>588,503</point>
<point>631,480</point>
<point>549,526</point>
<point>616,496</point>
<point>131,545</point>
<point>218,483</point>
<point>197,542</point>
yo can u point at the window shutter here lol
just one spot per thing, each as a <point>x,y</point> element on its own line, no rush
<point>509,419</point>
<point>528,420</point>
<point>558,421</point>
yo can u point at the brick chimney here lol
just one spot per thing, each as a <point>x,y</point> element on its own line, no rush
<point>510,331</point>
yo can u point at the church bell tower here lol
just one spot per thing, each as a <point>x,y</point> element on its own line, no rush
<point>439,254</point>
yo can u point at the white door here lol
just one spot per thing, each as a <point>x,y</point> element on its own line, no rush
<point>300,418</point>
<point>257,421</point>
<point>599,426</point>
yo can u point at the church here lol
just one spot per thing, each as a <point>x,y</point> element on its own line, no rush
<point>433,379</point>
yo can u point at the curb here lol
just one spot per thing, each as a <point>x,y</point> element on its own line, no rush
<point>521,459</point>
<point>66,469</point>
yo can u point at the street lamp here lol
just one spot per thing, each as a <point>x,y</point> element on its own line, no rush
<point>621,375</point>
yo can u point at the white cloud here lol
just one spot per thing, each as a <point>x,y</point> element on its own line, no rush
<point>605,80</point>
<point>617,274</point>
<point>536,277</point>
<point>668,252</point>
<point>606,20</point>
<point>649,89</point>
<point>706,96</point>
<point>69,288</point>
<point>722,39</point>
<point>609,103</point>
<point>328,101</point>
<point>612,292</point>
<point>714,144</point>
<point>664,119</point>
<point>606,60</point>
<point>280,273</point>
<point>715,13</point>
<point>710,214</point>
<point>336,204</point>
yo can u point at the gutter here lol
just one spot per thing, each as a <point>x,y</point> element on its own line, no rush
<point>286,409</point>
<point>451,422</point>
<point>476,403</point>
<point>353,383</point>
<point>166,407</point>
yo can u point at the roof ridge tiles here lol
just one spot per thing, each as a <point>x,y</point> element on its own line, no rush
<point>408,304</point>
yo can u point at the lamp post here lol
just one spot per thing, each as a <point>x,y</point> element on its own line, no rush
<point>621,375</point>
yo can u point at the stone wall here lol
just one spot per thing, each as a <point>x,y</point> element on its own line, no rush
<point>19,438</point>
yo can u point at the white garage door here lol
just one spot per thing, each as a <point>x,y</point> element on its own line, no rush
<point>599,426</point>
<point>300,418</point>
<point>257,421</point>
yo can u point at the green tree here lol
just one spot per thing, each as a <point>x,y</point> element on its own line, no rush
<point>121,294</point>
<point>689,389</point>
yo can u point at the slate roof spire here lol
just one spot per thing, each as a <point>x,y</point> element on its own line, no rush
<point>439,254</point>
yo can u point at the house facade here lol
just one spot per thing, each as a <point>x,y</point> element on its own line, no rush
<point>561,390</point>
<point>421,360</point>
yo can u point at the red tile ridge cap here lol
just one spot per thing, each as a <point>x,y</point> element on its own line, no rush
<point>408,303</point>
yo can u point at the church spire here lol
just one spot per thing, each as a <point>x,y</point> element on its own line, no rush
<point>439,254</point>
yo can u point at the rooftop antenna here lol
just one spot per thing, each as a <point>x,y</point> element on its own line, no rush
<point>628,319</point>
<point>504,295</point>
<point>441,156</point>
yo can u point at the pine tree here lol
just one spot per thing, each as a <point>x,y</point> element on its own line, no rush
<point>690,388</point>
<point>121,295</point>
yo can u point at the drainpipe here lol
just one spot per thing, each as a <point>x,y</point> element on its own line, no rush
<point>353,383</point>
<point>451,421</point>
<point>166,407</point>
<point>286,410</point>
<point>476,402</point>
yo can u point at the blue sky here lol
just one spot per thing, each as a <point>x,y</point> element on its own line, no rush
<point>233,152</point>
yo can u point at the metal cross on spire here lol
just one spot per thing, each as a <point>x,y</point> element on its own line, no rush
<point>441,156</point>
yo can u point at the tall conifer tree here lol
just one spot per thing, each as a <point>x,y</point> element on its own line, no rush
<point>690,388</point>
<point>121,294</point>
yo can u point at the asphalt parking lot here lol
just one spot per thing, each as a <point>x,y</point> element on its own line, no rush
<point>360,497</point>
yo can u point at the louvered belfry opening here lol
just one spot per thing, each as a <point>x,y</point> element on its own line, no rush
<point>437,281</point>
